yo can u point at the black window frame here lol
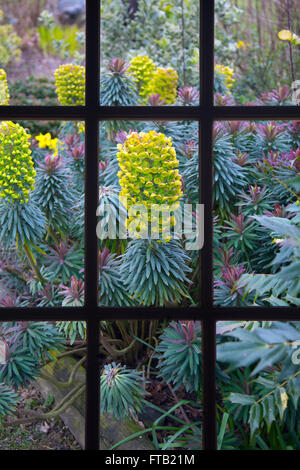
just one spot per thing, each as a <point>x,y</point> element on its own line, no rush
<point>206,113</point>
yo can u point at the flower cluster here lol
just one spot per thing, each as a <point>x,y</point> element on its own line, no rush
<point>149,176</point>
<point>46,141</point>
<point>287,35</point>
<point>152,81</point>
<point>4,92</point>
<point>9,44</point>
<point>242,45</point>
<point>141,69</point>
<point>80,127</point>
<point>70,84</point>
<point>227,73</point>
<point>17,173</point>
<point>164,82</point>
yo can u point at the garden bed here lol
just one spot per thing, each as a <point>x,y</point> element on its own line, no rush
<point>50,435</point>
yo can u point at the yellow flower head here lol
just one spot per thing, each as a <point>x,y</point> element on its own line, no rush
<point>228,73</point>
<point>81,127</point>
<point>148,174</point>
<point>17,173</point>
<point>45,141</point>
<point>287,35</point>
<point>141,69</point>
<point>164,82</point>
<point>242,45</point>
<point>70,84</point>
<point>4,92</point>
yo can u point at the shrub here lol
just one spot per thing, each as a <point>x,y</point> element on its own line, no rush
<point>164,82</point>
<point>9,44</point>
<point>70,84</point>
<point>8,400</point>
<point>155,273</point>
<point>180,355</point>
<point>122,391</point>
<point>68,36</point>
<point>227,74</point>
<point>35,91</point>
<point>141,68</point>
<point>116,86</point>
<point>4,92</point>
<point>17,173</point>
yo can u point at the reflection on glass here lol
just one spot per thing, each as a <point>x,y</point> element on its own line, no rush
<point>42,385</point>
<point>151,383</point>
<point>160,63</point>
<point>150,222</point>
<point>42,214</point>
<point>256,53</point>
<point>258,405</point>
<point>256,213</point>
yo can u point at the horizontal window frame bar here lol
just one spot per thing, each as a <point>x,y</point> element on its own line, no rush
<point>149,313</point>
<point>169,113</point>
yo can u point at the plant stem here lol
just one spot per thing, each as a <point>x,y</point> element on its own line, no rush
<point>277,386</point>
<point>33,264</point>
<point>58,383</point>
<point>186,419</point>
<point>62,406</point>
<point>53,235</point>
<point>183,41</point>
<point>290,43</point>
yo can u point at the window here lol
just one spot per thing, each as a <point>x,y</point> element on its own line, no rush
<point>209,314</point>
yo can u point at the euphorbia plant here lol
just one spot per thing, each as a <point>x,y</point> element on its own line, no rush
<point>21,219</point>
<point>149,176</point>
<point>70,84</point>
<point>180,355</point>
<point>54,192</point>
<point>122,391</point>
<point>4,91</point>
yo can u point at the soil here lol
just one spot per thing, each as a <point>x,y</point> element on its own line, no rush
<point>161,396</point>
<point>33,62</point>
<point>48,435</point>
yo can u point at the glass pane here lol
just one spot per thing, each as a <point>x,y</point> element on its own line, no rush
<point>258,380</point>
<point>42,367</point>
<point>160,364</point>
<point>149,53</point>
<point>256,213</point>
<point>42,52</point>
<point>41,213</point>
<point>257,56</point>
<point>150,223</point>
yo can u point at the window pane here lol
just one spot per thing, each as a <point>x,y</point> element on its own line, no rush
<point>130,353</point>
<point>256,213</point>
<point>42,214</point>
<point>258,382</point>
<point>42,52</point>
<point>257,52</point>
<point>150,222</point>
<point>37,365</point>
<point>149,53</point>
